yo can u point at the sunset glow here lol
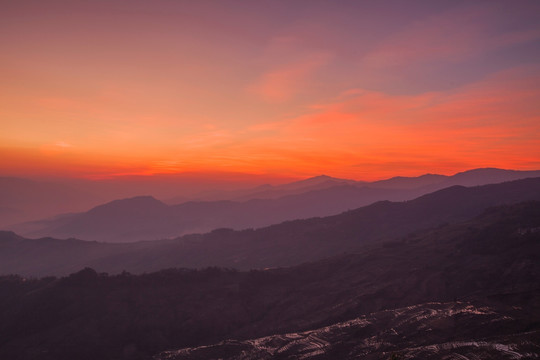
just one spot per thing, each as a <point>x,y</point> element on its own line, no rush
<point>363,90</point>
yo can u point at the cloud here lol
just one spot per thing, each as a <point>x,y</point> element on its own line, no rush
<point>285,82</point>
<point>63,144</point>
<point>493,122</point>
<point>452,36</point>
<point>288,68</point>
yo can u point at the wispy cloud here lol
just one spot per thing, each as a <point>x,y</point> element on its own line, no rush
<point>448,37</point>
<point>63,144</point>
<point>491,122</point>
<point>290,70</point>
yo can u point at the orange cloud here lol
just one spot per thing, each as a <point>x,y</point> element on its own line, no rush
<point>361,134</point>
<point>494,122</point>
<point>289,69</point>
<point>368,134</point>
<point>284,83</point>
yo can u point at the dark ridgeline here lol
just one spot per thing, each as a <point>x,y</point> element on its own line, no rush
<point>145,218</point>
<point>285,244</point>
<point>474,282</point>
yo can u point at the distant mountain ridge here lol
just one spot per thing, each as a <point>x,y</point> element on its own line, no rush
<point>402,182</point>
<point>426,182</point>
<point>268,191</point>
<point>285,244</point>
<point>145,218</point>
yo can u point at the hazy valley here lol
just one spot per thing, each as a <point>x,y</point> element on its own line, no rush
<point>146,218</point>
<point>458,278</point>
<point>447,274</point>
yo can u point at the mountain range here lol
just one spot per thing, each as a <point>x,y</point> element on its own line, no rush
<point>426,182</point>
<point>285,244</point>
<point>466,289</point>
<point>146,218</point>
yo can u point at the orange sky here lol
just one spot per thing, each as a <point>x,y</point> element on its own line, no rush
<point>353,89</point>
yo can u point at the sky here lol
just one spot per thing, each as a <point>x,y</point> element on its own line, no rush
<point>353,89</point>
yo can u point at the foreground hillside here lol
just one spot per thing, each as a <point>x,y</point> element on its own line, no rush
<point>432,331</point>
<point>484,273</point>
<point>285,244</point>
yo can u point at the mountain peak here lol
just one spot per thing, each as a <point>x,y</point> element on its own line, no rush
<point>484,170</point>
<point>9,236</point>
<point>323,178</point>
<point>316,181</point>
<point>145,201</point>
<point>482,176</point>
<point>142,199</point>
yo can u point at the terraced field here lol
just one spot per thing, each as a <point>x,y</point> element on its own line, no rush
<point>426,331</point>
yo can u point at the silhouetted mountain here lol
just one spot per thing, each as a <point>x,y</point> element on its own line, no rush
<point>24,200</point>
<point>136,218</point>
<point>119,219</point>
<point>432,182</point>
<point>316,183</point>
<point>268,191</point>
<point>322,180</point>
<point>489,176</point>
<point>467,288</point>
<point>132,220</point>
<point>423,184</point>
<point>401,182</point>
<point>285,244</point>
